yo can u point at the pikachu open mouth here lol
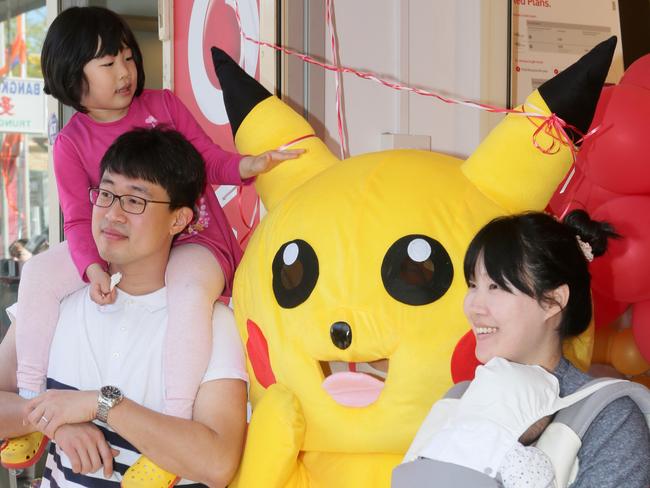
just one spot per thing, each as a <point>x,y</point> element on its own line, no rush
<point>354,384</point>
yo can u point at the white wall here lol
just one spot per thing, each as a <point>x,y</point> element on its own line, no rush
<point>454,47</point>
<point>367,38</point>
<point>152,55</point>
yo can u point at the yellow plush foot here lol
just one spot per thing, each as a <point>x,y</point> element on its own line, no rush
<point>146,474</point>
<point>22,452</point>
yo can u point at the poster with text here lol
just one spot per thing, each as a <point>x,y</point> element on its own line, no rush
<point>549,35</point>
<point>199,25</point>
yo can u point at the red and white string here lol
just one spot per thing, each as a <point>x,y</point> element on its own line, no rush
<point>337,80</point>
<point>551,125</point>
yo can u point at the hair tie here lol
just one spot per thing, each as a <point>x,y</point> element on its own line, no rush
<point>585,247</point>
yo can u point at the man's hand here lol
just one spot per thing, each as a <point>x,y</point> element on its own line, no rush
<point>86,447</point>
<point>250,166</point>
<point>100,285</point>
<point>54,408</point>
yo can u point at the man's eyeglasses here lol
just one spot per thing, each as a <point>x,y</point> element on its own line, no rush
<point>129,203</point>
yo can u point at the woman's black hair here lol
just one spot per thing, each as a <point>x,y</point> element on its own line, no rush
<point>161,156</point>
<point>535,253</point>
<point>72,41</point>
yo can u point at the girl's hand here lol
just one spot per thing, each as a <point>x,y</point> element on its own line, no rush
<point>100,285</point>
<point>250,166</point>
<point>54,408</point>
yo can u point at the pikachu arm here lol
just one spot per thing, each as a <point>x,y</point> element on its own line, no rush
<point>275,437</point>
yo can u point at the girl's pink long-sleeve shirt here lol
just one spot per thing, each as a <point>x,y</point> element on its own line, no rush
<point>80,146</point>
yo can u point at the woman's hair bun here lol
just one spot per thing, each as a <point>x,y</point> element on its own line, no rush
<point>593,232</point>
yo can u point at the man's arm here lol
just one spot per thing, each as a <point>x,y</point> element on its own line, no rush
<point>12,412</point>
<point>206,449</point>
<point>84,444</point>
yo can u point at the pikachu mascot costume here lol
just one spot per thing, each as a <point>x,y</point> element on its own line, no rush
<point>349,295</point>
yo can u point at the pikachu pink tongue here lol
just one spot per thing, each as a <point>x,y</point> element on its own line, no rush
<point>353,389</point>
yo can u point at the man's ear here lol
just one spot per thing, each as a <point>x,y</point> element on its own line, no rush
<point>182,218</point>
<point>557,300</point>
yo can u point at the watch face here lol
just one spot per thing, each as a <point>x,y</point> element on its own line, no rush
<point>111,392</point>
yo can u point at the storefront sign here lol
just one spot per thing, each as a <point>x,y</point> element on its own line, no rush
<point>22,106</point>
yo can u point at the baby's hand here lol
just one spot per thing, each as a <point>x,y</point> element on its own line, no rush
<point>250,166</point>
<point>101,291</point>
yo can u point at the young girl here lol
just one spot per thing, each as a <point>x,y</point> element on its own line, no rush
<point>92,62</point>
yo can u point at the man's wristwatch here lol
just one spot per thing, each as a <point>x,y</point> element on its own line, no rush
<point>109,396</point>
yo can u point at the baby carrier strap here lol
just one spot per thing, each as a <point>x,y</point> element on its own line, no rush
<point>429,473</point>
<point>562,439</point>
<point>458,390</point>
<point>579,416</point>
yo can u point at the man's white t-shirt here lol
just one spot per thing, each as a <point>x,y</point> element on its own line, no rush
<point>122,344</point>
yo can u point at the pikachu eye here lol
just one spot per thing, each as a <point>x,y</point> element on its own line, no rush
<point>295,273</point>
<point>417,270</point>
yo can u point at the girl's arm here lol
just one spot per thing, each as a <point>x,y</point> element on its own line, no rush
<point>72,183</point>
<point>222,167</point>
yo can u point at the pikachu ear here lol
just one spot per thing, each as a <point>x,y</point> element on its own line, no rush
<point>261,122</point>
<point>508,168</point>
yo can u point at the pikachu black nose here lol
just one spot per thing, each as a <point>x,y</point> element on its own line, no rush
<point>341,334</point>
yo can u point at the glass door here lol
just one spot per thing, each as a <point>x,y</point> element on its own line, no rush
<point>24,177</point>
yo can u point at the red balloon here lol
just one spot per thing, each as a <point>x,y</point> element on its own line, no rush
<point>463,360</point>
<point>612,182</point>
<point>623,272</point>
<point>641,328</point>
<point>638,73</point>
<point>606,310</point>
<point>617,157</point>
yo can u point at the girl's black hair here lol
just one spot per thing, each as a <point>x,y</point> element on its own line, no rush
<point>161,156</point>
<point>535,253</point>
<point>72,41</point>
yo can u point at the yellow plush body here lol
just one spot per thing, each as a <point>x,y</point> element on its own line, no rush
<point>351,213</point>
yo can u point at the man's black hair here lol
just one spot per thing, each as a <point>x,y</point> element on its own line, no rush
<point>161,156</point>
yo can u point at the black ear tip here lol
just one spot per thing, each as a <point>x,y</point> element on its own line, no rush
<point>611,42</point>
<point>573,93</point>
<point>241,92</point>
<point>219,57</point>
<point>604,51</point>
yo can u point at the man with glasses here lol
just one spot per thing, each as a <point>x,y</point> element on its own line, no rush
<point>105,371</point>
<point>130,203</point>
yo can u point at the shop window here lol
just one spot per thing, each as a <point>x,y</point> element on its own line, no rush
<point>24,209</point>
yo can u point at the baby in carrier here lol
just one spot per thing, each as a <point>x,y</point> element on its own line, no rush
<point>484,438</point>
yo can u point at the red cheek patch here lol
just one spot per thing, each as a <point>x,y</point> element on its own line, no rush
<point>258,353</point>
<point>463,360</point>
